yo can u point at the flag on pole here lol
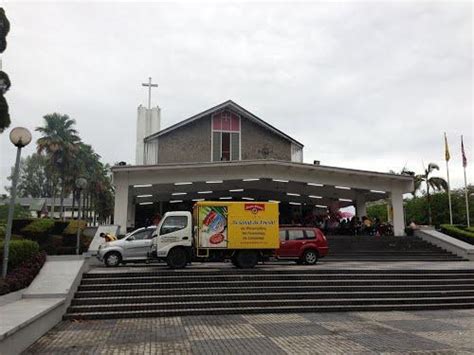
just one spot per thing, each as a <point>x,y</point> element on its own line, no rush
<point>447,156</point>
<point>464,159</point>
<point>466,192</point>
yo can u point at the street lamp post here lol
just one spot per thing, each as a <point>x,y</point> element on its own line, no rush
<point>20,137</point>
<point>81,184</point>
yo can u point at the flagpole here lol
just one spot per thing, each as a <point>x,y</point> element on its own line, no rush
<point>467,198</point>
<point>466,192</point>
<point>449,195</point>
<point>447,156</point>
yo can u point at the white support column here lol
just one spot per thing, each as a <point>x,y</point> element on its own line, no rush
<point>361,208</point>
<point>121,206</point>
<point>398,218</point>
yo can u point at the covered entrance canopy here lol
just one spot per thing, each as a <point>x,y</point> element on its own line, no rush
<point>290,183</point>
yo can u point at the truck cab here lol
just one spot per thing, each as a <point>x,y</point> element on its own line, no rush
<point>174,234</point>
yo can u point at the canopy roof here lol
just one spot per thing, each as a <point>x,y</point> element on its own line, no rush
<point>284,181</point>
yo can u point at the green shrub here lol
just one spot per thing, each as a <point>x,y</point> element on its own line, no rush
<point>38,229</point>
<point>73,225</point>
<point>19,251</point>
<point>21,276</point>
<point>18,212</point>
<point>458,233</point>
<point>470,229</point>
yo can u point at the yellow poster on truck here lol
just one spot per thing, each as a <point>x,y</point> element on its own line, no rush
<point>238,225</point>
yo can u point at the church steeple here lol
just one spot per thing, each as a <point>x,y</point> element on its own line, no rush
<point>148,123</point>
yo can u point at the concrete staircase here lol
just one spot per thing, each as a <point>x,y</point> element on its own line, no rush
<point>369,248</point>
<point>232,291</point>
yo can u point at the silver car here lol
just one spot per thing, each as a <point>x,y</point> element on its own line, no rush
<point>134,247</point>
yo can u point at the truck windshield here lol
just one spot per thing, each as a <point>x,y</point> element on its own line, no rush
<point>173,223</point>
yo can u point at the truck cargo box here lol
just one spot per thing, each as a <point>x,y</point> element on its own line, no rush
<point>236,225</point>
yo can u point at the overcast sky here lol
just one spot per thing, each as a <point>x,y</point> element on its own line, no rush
<point>362,85</point>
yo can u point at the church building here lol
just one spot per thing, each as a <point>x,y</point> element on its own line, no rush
<point>228,153</point>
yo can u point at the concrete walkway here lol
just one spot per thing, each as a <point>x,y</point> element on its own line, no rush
<point>427,332</point>
<point>28,314</point>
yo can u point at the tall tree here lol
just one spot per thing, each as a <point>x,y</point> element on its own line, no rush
<point>432,182</point>
<point>33,177</point>
<point>59,141</point>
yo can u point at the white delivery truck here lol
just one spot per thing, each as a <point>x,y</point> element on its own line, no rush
<point>244,232</point>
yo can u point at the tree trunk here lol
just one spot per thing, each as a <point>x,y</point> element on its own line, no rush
<point>95,212</point>
<point>428,197</point>
<point>84,205</point>
<point>61,209</point>
<point>73,203</point>
<point>53,200</point>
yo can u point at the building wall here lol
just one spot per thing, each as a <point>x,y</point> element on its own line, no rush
<point>188,144</point>
<point>192,144</point>
<point>260,143</point>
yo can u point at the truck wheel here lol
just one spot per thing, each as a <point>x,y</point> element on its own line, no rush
<point>177,258</point>
<point>246,259</point>
<point>113,259</point>
<point>310,257</point>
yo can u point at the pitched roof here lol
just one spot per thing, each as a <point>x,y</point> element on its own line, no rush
<point>227,104</point>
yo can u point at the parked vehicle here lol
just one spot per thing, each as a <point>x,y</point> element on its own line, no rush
<point>243,232</point>
<point>303,244</point>
<point>134,247</point>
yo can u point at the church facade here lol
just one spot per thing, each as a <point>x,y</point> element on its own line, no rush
<point>228,153</point>
<point>226,132</point>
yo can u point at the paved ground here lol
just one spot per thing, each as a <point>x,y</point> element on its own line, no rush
<point>424,332</point>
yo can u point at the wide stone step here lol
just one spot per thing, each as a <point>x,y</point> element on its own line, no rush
<point>391,259</point>
<point>267,303</point>
<point>276,283</point>
<point>153,299</point>
<point>393,252</point>
<point>213,271</point>
<point>138,292</point>
<point>259,310</point>
<point>269,277</point>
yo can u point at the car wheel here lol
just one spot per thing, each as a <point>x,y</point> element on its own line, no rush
<point>246,259</point>
<point>177,258</point>
<point>310,257</point>
<point>113,259</point>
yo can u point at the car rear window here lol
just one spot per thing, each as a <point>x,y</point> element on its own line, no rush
<point>310,233</point>
<point>295,234</point>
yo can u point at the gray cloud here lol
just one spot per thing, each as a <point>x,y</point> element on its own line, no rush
<point>362,85</point>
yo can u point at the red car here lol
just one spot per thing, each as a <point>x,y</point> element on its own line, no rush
<point>303,244</point>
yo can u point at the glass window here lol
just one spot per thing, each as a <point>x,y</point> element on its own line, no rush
<point>173,224</point>
<point>310,234</point>
<point>216,149</point>
<point>282,236</point>
<point>151,233</point>
<point>295,235</point>
<point>139,235</point>
<point>235,144</point>
<point>225,136</point>
<point>225,147</point>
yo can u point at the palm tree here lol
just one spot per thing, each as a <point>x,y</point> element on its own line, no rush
<point>433,182</point>
<point>59,141</point>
